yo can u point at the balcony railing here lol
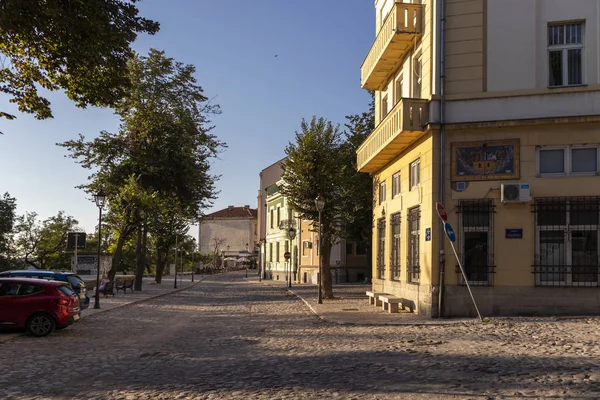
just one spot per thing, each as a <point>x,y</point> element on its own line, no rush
<point>401,127</point>
<point>395,38</point>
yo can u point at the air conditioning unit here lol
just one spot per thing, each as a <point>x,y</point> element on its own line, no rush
<point>515,193</point>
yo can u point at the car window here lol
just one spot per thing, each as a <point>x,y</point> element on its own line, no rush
<point>19,289</point>
<point>75,281</point>
<point>65,290</point>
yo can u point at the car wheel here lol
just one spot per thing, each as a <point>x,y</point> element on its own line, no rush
<point>41,324</point>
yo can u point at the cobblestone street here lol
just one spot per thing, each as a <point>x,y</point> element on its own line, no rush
<point>226,338</point>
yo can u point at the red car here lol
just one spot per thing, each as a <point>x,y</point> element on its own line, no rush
<point>38,305</point>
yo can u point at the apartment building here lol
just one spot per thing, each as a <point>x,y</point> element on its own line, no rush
<point>490,107</point>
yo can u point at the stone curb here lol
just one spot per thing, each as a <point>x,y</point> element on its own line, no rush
<point>365,324</point>
<point>12,336</point>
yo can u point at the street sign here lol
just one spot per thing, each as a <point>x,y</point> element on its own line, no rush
<point>287,255</point>
<point>441,211</point>
<point>76,240</point>
<point>450,232</point>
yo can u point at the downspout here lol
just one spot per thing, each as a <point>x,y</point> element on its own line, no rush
<point>442,72</point>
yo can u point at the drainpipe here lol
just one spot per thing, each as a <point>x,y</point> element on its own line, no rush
<point>442,72</point>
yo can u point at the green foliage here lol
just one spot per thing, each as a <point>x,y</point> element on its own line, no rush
<point>79,46</point>
<point>44,244</point>
<point>357,189</point>
<point>8,205</point>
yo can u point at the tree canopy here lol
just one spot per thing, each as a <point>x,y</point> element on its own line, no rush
<point>79,46</point>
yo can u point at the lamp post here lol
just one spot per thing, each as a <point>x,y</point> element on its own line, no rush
<point>100,199</point>
<point>320,204</point>
<point>222,259</point>
<point>246,262</point>
<point>193,250</point>
<point>176,243</point>
<point>292,236</point>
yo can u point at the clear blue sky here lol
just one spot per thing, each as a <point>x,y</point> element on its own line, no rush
<point>319,44</point>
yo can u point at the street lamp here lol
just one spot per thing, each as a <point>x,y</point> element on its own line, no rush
<point>100,199</point>
<point>176,245</point>
<point>193,250</point>
<point>291,235</point>
<point>222,260</point>
<point>320,204</point>
<point>245,262</point>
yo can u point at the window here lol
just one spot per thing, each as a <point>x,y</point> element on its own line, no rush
<point>396,184</point>
<point>306,245</point>
<point>349,248</point>
<point>384,106</point>
<point>567,241</point>
<point>476,241</point>
<point>277,252</point>
<point>395,247</point>
<point>399,85</point>
<point>567,160</point>
<point>272,221</point>
<point>271,252</point>
<point>381,248</point>
<point>278,216</point>
<point>565,54</point>
<point>21,289</point>
<point>415,174</point>
<point>417,80</point>
<point>414,236</point>
<point>382,192</point>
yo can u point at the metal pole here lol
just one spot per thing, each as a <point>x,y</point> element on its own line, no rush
<point>261,260</point>
<point>175,285</point>
<point>193,262</point>
<point>76,258</point>
<point>181,271</point>
<point>466,281</point>
<point>97,297</point>
<point>320,274</point>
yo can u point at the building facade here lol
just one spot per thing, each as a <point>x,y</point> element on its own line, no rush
<point>490,107</point>
<point>231,232</point>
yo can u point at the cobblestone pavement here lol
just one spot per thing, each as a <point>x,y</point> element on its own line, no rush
<point>228,339</point>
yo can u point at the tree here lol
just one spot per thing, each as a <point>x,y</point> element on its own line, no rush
<point>8,206</point>
<point>81,47</point>
<point>158,164</point>
<point>314,167</point>
<point>44,245</point>
<point>357,187</point>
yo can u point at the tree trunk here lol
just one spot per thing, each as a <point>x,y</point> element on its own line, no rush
<point>326,283</point>
<point>145,249</point>
<point>118,253</point>
<point>139,259</point>
<point>160,264</point>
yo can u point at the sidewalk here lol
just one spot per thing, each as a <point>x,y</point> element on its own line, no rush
<point>351,306</point>
<point>149,291</point>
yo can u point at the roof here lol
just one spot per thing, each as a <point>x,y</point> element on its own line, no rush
<point>233,212</point>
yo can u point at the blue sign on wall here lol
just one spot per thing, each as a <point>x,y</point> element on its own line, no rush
<point>450,232</point>
<point>427,234</point>
<point>514,234</point>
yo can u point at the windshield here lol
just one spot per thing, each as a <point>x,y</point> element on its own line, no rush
<point>75,281</point>
<point>64,289</point>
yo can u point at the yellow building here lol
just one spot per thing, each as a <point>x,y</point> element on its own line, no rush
<point>505,95</point>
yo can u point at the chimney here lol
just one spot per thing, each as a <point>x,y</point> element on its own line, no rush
<point>247,206</point>
<point>230,208</point>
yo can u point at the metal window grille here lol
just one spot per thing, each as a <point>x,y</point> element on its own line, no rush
<point>381,249</point>
<point>414,235</point>
<point>395,264</point>
<point>567,239</point>
<point>477,241</point>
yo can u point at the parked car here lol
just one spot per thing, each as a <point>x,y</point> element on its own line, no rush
<point>76,283</point>
<point>38,305</point>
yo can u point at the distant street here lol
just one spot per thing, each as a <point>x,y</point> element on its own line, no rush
<point>228,339</point>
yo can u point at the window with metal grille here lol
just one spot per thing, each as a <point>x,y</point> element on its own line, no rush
<point>565,54</point>
<point>277,252</point>
<point>381,248</point>
<point>477,241</point>
<point>395,264</point>
<point>567,240</point>
<point>414,236</point>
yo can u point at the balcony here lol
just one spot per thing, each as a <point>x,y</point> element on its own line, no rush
<point>401,27</point>
<point>398,130</point>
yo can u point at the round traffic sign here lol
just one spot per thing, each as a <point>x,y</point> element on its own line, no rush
<point>287,255</point>
<point>441,212</point>
<point>450,232</point>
